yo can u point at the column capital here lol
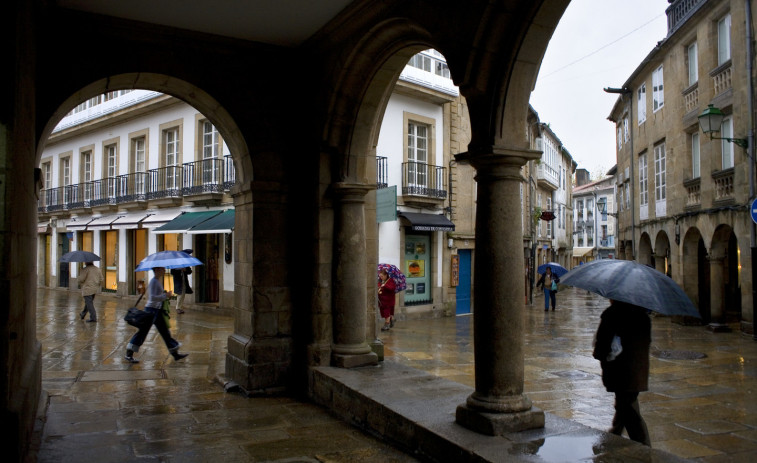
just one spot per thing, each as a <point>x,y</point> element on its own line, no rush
<point>351,191</point>
<point>494,155</point>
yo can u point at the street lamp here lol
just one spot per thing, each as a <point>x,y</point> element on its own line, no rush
<point>710,121</point>
<point>602,207</point>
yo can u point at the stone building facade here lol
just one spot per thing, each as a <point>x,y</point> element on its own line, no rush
<point>683,197</point>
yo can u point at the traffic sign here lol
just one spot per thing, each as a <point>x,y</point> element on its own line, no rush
<point>753,210</point>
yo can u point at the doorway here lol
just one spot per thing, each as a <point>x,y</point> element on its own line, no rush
<point>463,291</point>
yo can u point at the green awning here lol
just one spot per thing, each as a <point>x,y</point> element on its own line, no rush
<point>222,223</point>
<point>185,221</point>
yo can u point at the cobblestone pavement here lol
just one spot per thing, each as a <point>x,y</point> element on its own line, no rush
<point>702,402</point>
<point>102,409</point>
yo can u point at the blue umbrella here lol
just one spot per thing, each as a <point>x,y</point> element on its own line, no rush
<point>557,269</point>
<point>79,256</point>
<point>167,259</point>
<point>634,283</point>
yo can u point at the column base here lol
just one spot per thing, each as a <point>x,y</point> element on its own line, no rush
<point>354,360</point>
<point>719,328</point>
<point>497,424</point>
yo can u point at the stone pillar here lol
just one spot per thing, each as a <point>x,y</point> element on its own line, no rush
<point>350,293</point>
<point>498,405</point>
<point>717,296</point>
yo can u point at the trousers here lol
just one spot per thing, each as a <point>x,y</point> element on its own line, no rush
<point>628,417</point>
<point>160,323</point>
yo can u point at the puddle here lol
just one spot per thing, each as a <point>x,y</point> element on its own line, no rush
<point>559,449</point>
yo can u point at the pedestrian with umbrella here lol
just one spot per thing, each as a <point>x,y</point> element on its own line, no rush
<point>90,280</point>
<point>625,331</point>
<point>155,298</point>
<point>391,281</point>
<point>548,283</point>
<point>181,283</point>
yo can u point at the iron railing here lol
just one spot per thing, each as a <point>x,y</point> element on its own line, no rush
<point>382,172</point>
<point>421,179</point>
<point>192,178</point>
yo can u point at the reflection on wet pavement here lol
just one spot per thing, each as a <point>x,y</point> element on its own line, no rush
<point>702,402</point>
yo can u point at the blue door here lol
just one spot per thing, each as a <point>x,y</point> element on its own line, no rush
<point>463,286</point>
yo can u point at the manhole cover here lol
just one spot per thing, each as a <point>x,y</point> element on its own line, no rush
<point>678,354</point>
<point>572,374</point>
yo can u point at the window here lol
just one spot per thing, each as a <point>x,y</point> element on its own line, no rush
<point>658,96</point>
<point>171,158</point>
<point>139,163</point>
<point>628,195</point>
<point>641,100</point>
<point>643,187</point>
<point>86,173</point>
<point>48,173</point>
<point>659,172</point>
<point>111,168</point>
<point>620,138</point>
<point>726,131</point>
<point>211,168</point>
<point>695,155</point>
<point>550,232</point>
<point>65,171</point>
<point>417,153</point>
<point>724,39</point>
<point>421,62</point>
<point>626,134</point>
<point>693,71</point>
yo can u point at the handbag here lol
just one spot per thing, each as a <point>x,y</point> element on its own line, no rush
<point>554,286</point>
<point>138,318</point>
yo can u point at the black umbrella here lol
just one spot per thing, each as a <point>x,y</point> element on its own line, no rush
<point>79,256</point>
<point>629,281</point>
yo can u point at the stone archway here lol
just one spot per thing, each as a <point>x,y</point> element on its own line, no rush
<point>646,254</point>
<point>695,271</point>
<point>725,298</point>
<point>662,254</point>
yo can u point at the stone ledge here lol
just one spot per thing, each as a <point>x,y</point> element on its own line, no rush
<point>415,411</point>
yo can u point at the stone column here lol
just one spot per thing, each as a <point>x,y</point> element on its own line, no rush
<point>350,293</point>
<point>717,298</point>
<point>498,405</point>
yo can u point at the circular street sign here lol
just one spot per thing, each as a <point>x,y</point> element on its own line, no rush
<point>753,210</point>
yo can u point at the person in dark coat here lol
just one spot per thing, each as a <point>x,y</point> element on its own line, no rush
<point>627,373</point>
<point>181,284</point>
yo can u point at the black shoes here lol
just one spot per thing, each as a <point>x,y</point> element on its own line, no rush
<point>82,314</point>
<point>130,357</point>
<point>178,356</point>
<point>91,321</point>
<point>386,327</point>
<point>391,323</point>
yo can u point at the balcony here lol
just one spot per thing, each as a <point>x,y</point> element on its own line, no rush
<point>423,184</point>
<point>723,185</point>
<point>691,99</point>
<point>202,181</point>
<point>546,177</point>
<point>721,78</point>
<point>693,193</point>
<point>680,11</point>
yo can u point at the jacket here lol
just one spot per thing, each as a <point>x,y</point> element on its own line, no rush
<point>547,282</point>
<point>90,280</point>
<point>629,372</point>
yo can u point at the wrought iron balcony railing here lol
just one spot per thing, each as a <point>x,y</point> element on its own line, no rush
<point>193,178</point>
<point>420,179</point>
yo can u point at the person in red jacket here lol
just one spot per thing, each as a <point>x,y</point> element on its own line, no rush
<point>386,289</point>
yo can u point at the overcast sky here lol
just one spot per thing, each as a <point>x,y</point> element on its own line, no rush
<point>597,44</point>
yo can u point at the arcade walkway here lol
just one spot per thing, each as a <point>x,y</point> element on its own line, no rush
<point>102,409</point>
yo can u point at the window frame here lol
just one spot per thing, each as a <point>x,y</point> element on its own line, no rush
<point>724,39</point>
<point>727,155</point>
<point>692,63</point>
<point>696,161</point>
<point>643,179</point>
<point>660,171</point>
<point>641,103</point>
<point>658,90</point>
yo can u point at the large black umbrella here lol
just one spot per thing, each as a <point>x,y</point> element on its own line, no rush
<point>79,256</point>
<point>629,281</point>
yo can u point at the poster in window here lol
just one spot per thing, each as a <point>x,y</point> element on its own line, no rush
<point>454,276</point>
<point>410,289</point>
<point>416,268</point>
<point>410,247</point>
<point>420,247</point>
<point>420,288</point>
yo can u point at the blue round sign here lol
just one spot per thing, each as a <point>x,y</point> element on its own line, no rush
<point>753,210</point>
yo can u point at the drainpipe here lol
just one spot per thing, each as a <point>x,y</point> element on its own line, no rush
<point>750,156</point>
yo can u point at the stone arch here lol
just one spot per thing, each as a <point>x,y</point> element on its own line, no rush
<point>662,253</point>
<point>178,88</point>
<point>695,271</point>
<point>725,287</point>
<point>646,254</point>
